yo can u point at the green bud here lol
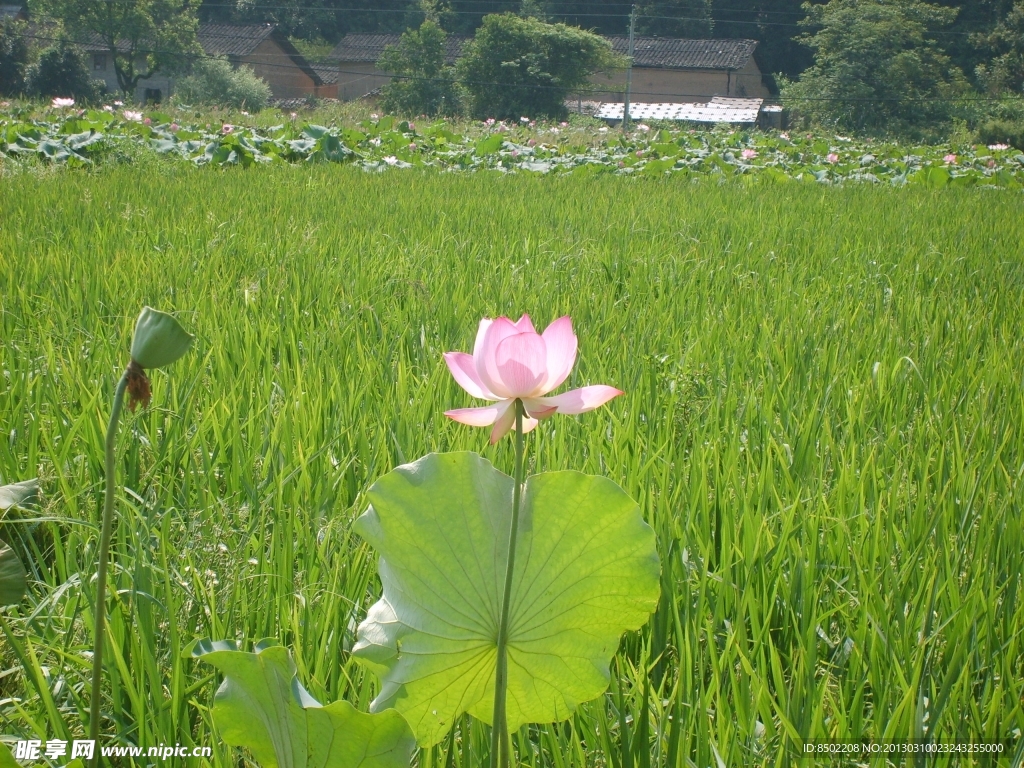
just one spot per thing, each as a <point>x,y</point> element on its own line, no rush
<point>159,339</point>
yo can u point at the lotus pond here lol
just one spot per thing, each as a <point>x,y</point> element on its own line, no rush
<point>65,136</point>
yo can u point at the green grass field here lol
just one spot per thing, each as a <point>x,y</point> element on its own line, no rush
<point>823,423</point>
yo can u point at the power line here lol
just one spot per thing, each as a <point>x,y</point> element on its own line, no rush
<point>407,11</point>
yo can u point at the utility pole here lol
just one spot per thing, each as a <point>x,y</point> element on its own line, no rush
<point>629,71</point>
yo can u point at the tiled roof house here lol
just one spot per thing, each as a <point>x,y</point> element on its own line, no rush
<point>260,46</point>
<point>664,69</point>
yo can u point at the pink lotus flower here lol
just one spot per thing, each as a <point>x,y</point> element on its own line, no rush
<point>412,126</point>
<point>135,117</point>
<point>226,129</point>
<point>510,362</point>
<point>118,103</point>
<point>175,127</point>
<point>950,159</point>
<point>60,103</point>
<point>784,136</point>
<point>991,163</point>
<point>748,154</point>
<point>412,146</point>
<point>147,121</point>
<point>993,147</point>
<point>832,158</point>
<point>107,108</point>
<point>294,115</point>
<point>532,143</point>
<point>489,121</point>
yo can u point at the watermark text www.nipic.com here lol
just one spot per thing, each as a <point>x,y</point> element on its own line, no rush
<point>56,749</point>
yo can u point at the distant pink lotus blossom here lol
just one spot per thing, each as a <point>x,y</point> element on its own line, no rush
<point>294,115</point>
<point>489,121</point>
<point>993,147</point>
<point>107,108</point>
<point>412,126</point>
<point>175,127</point>
<point>621,164</point>
<point>4,104</point>
<point>118,103</point>
<point>532,142</point>
<point>501,128</point>
<point>60,103</point>
<point>133,117</point>
<point>515,153</point>
<point>950,159</point>
<point>524,119</point>
<point>639,153</point>
<point>412,146</point>
<point>374,116</point>
<point>991,163</point>
<point>390,159</point>
<point>748,154</point>
<point>510,362</point>
<point>226,129</point>
<point>564,124</point>
<point>832,158</point>
<point>147,121</point>
<point>784,136</point>
<point>643,127</point>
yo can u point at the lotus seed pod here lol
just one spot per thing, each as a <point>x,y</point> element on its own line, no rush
<point>159,339</point>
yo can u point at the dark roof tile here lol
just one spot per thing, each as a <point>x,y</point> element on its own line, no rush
<point>370,47</point>
<point>677,53</point>
<point>655,52</point>
<point>232,39</point>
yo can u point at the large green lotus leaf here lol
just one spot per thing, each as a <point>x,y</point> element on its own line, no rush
<point>586,571</point>
<point>262,706</point>
<point>6,758</point>
<point>12,576</point>
<point>21,494</point>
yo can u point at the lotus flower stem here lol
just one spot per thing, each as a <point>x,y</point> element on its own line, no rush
<point>499,730</point>
<point>101,575</point>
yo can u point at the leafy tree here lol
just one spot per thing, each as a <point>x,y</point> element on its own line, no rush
<point>875,66</point>
<point>13,58</point>
<point>215,82</point>
<point>424,83</point>
<point>62,71</point>
<point>1005,71</point>
<point>142,37</point>
<point>775,26</point>
<point>517,66</point>
<point>674,18</point>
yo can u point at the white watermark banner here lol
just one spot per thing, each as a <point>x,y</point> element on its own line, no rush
<point>58,749</point>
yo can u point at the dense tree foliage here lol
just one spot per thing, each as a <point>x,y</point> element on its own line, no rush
<point>425,84</point>
<point>876,65</point>
<point>517,66</point>
<point>62,71</point>
<point>13,57</point>
<point>1005,71</point>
